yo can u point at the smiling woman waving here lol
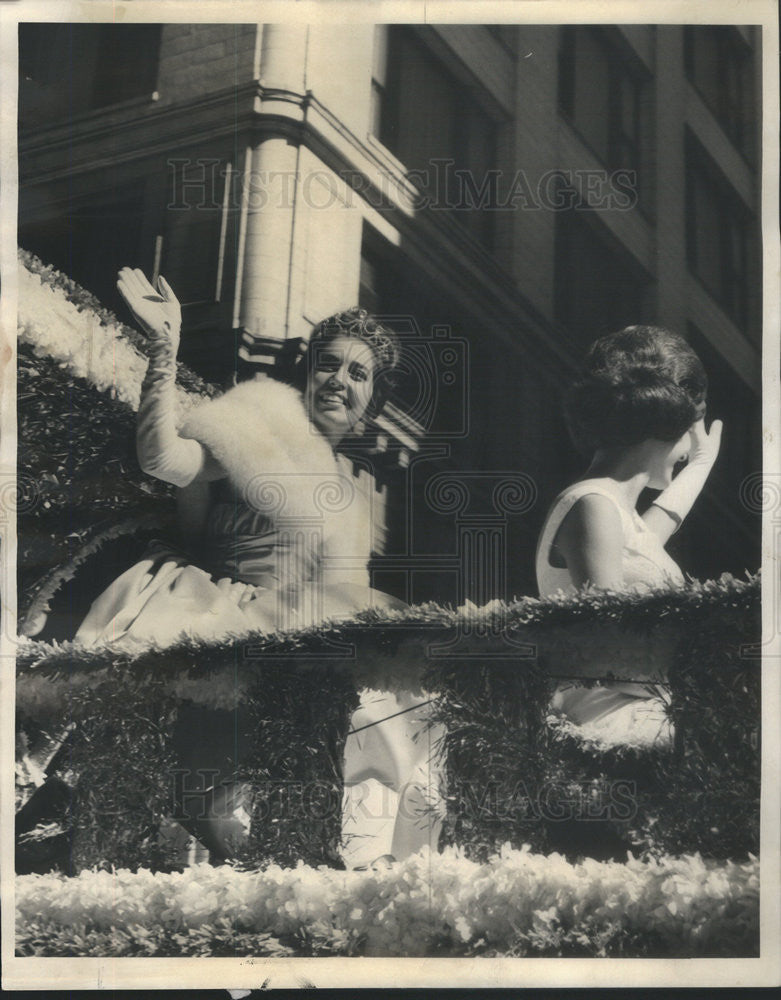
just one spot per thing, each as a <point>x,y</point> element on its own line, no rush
<point>278,536</point>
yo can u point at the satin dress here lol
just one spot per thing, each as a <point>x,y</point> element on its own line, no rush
<point>257,575</point>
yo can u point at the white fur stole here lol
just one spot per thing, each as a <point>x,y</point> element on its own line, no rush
<point>281,465</point>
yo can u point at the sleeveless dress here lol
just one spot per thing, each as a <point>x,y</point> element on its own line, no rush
<point>621,712</point>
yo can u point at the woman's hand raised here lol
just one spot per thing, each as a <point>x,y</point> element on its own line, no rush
<point>158,313</point>
<point>161,452</point>
<point>678,499</point>
<point>705,444</point>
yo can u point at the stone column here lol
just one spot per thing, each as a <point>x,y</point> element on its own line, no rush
<point>271,183</point>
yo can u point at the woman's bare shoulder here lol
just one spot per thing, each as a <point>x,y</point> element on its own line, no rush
<point>594,507</point>
<point>592,515</point>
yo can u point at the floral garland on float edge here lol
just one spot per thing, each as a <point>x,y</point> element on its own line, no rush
<point>518,903</point>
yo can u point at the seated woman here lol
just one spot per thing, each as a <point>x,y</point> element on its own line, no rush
<point>638,409</point>
<point>281,533</point>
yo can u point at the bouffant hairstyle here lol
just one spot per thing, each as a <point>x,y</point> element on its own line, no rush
<point>640,383</point>
<point>357,324</point>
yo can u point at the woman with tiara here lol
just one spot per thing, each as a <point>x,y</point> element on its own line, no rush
<point>256,468</point>
<point>638,410</point>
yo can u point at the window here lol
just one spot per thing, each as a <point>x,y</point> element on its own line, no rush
<point>719,64</point>
<point>199,254</point>
<point>64,66</point>
<point>718,235</point>
<point>602,93</point>
<point>201,190</point>
<point>599,287</point>
<point>434,124</point>
<point>428,390</point>
<point>126,64</point>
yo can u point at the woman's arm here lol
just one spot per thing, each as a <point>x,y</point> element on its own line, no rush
<point>667,512</point>
<point>161,452</point>
<point>192,507</point>
<point>591,541</point>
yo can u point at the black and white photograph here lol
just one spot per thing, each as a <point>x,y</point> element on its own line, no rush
<point>391,498</point>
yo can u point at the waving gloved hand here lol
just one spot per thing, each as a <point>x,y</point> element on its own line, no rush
<point>161,452</point>
<point>158,313</point>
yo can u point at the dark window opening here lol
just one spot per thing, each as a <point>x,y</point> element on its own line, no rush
<point>719,235</point>
<point>722,502</point>
<point>127,61</point>
<point>494,407</point>
<point>603,95</point>
<point>90,242</point>
<point>719,64</point>
<point>730,400</point>
<point>434,124</point>
<point>199,257</point>
<point>69,68</point>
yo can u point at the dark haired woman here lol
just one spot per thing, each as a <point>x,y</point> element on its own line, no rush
<point>281,530</point>
<point>638,409</point>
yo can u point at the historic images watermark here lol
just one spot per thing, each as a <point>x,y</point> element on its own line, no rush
<point>207,184</point>
<point>600,800</point>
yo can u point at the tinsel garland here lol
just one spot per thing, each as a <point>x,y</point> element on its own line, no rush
<point>512,776</point>
<point>295,771</point>
<point>85,487</point>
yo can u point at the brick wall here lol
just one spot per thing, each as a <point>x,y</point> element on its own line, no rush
<point>196,59</point>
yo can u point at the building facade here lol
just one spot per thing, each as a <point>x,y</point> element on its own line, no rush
<point>502,194</point>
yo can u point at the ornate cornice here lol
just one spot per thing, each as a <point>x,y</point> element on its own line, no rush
<point>92,141</point>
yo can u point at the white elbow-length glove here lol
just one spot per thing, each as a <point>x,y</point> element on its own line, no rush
<point>678,498</point>
<point>161,452</point>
